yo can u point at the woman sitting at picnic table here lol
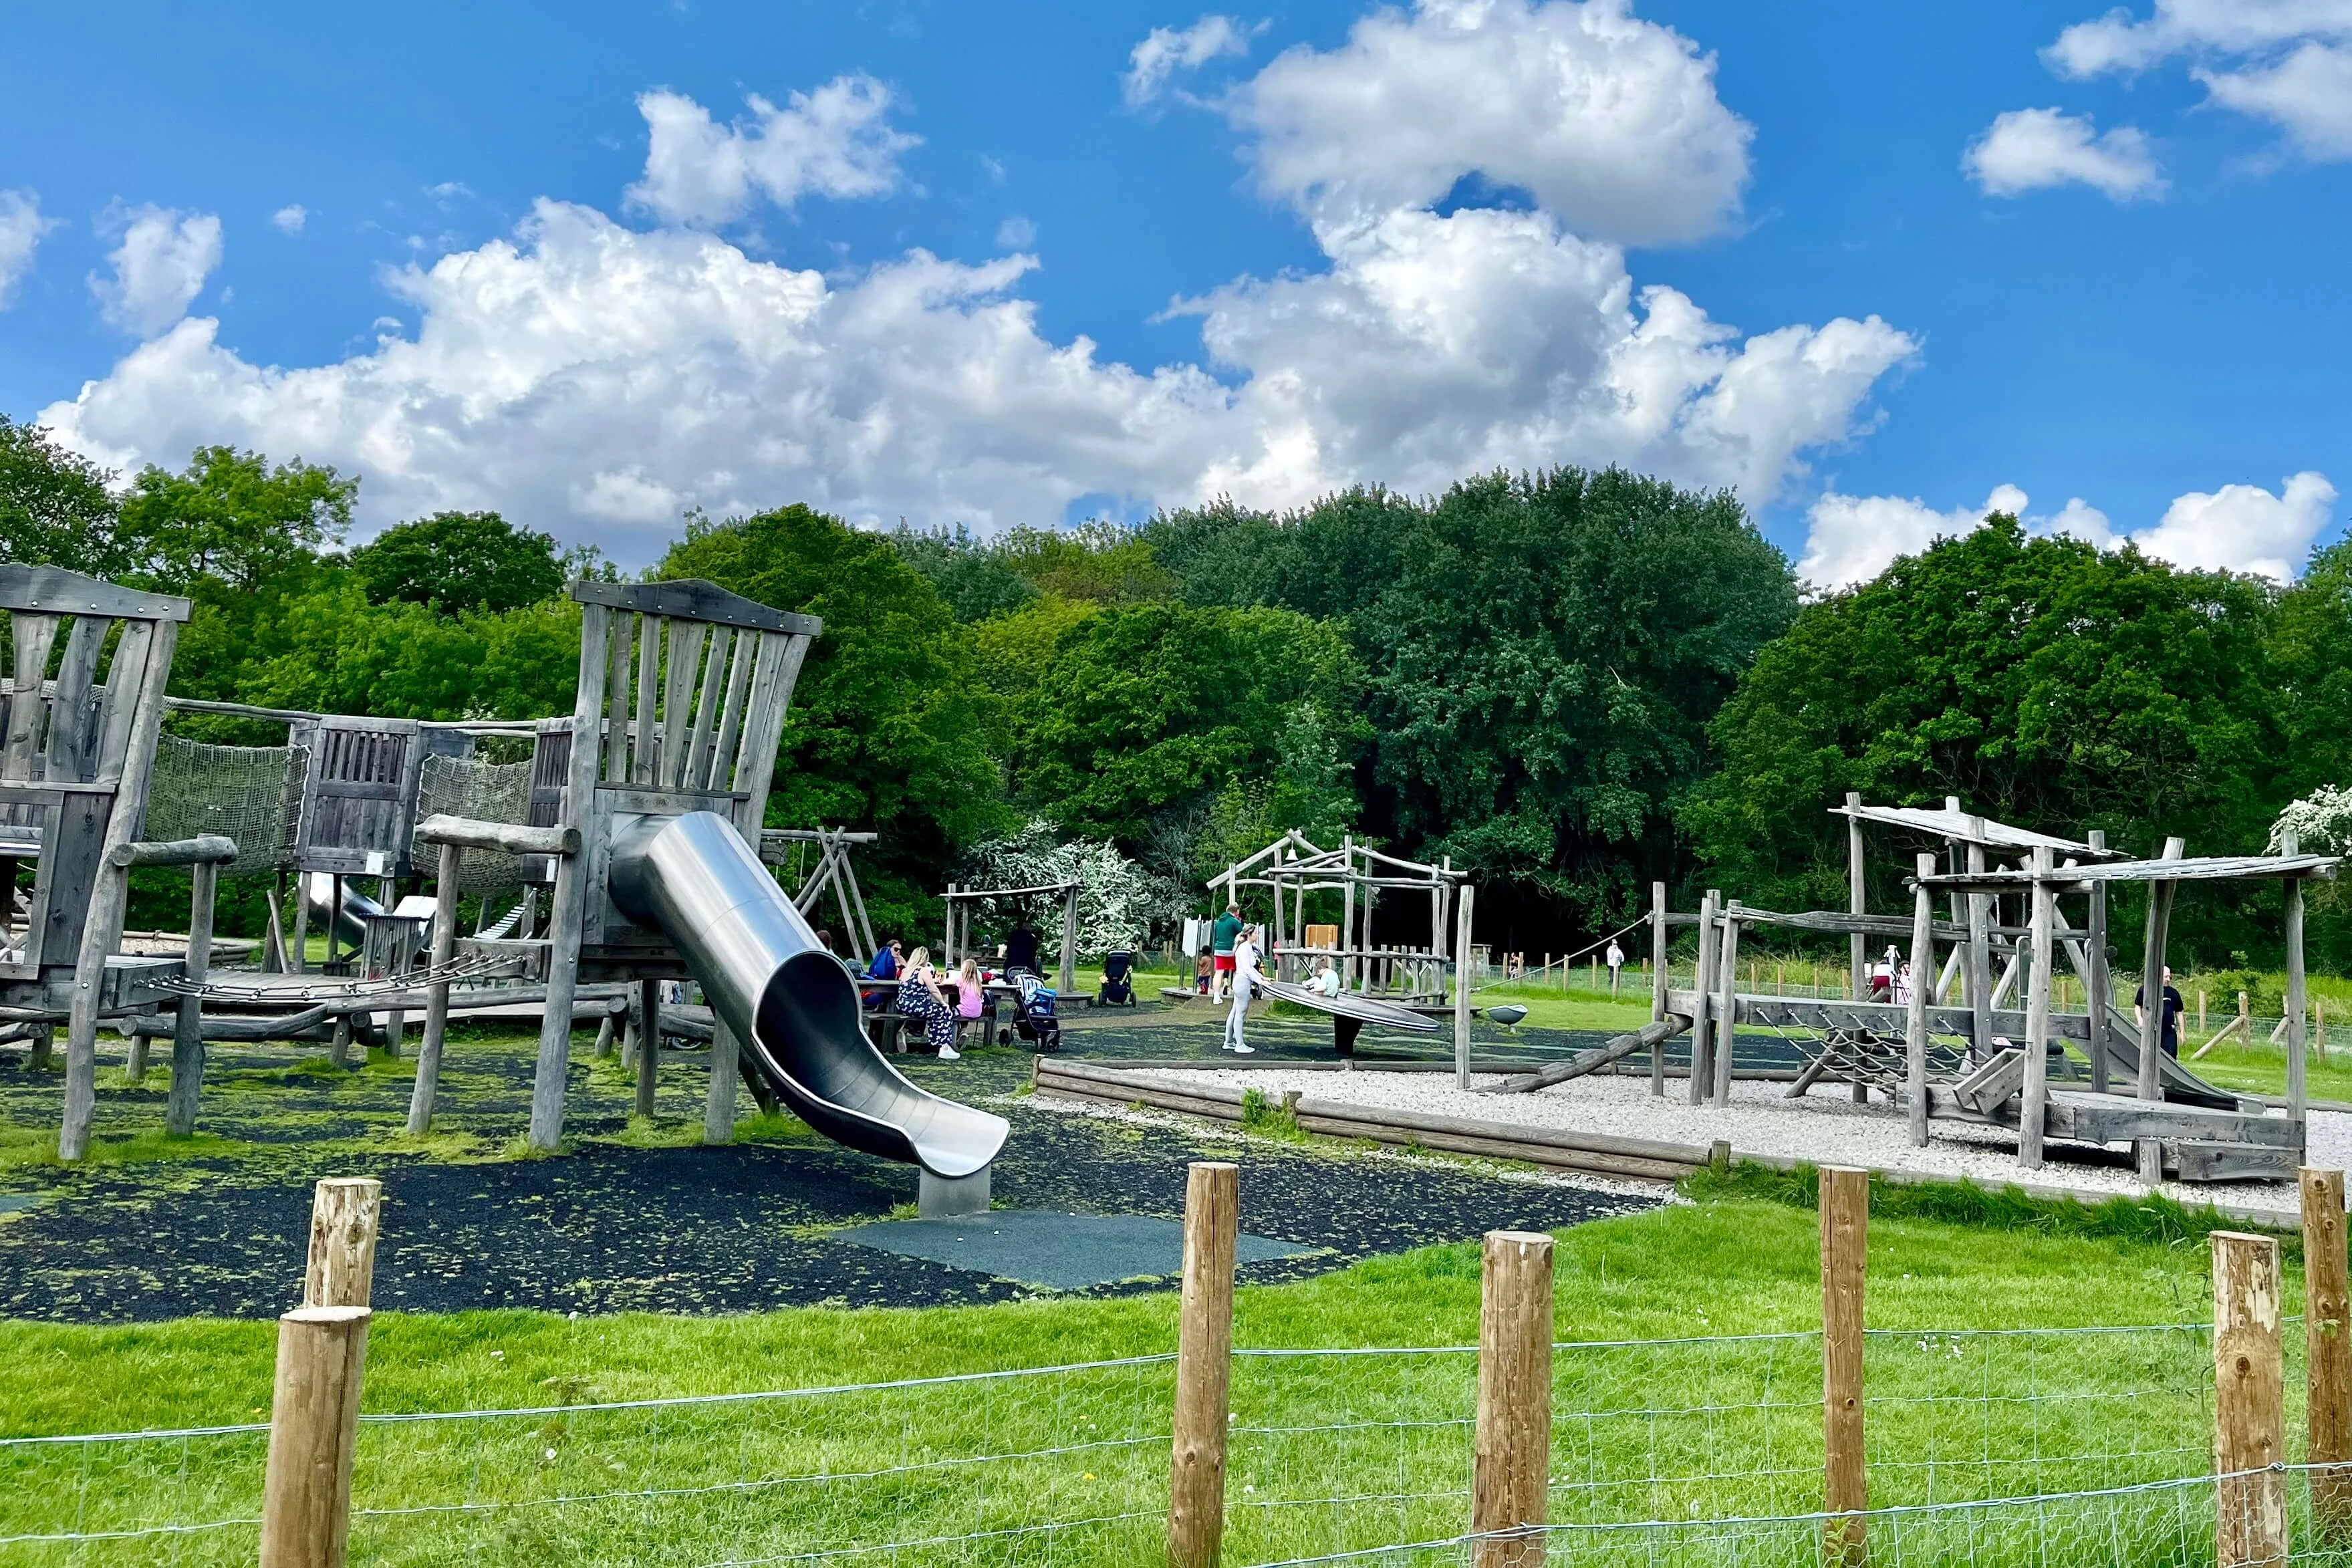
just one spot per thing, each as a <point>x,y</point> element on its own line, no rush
<point>921,996</point>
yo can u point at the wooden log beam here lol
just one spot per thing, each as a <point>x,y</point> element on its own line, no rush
<point>507,838</point>
<point>1598,1057</point>
<point>205,849</point>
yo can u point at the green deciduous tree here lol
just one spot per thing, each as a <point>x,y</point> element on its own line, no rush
<point>54,507</point>
<point>2046,682</point>
<point>460,561</point>
<point>231,518</point>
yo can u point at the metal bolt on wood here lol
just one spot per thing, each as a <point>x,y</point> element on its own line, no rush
<point>1513,1463</point>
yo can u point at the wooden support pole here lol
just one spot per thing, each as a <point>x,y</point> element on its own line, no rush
<point>718,1108</point>
<point>1065,980</point>
<point>2296,1000</point>
<point>2096,982</point>
<point>604,1033</point>
<point>314,1413</point>
<point>436,997</point>
<point>1855,898</point>
<point>2249,1402</point>
<point>1978,967</point>
<point>300,958</point>
<point>1463,905</point>
<point>2148,1154</point>
<point>2327,1357</point>
<point>1726,1012</point>
<point>188,1037</point>
<point>273,946</point>
<point>1845,1243</point>
<point>339,1044</point>
<point>1204,1335</point>
<point>1701,1002</point>
<point>1658,984</point>
<point>1513,1444</point>
<point>2033,1114</point>
<point>649,1043</point>
<point>1915,1024</point>
<point>346,1215</point>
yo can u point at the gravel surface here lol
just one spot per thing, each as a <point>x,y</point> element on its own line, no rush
<point>1825,1127</point>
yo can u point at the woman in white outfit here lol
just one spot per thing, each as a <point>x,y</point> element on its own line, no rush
<point>1246,979</point>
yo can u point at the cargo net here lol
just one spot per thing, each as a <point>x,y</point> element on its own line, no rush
<point>252,794</point>
<point>487,792</point>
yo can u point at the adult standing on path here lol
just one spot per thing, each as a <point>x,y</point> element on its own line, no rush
<point>1021,946</point>
<point>1245,978</point>
<point>2173,1009</point>
<point>1221,938</point>
<point>1615,959</point>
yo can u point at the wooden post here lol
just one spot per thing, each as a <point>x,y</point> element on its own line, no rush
<point>273,946</point>
<point>1845,1242</point>
<point>2096,981</point>
<point>1855,900</point>
<point>1922,980</point>
<point>1702,999</point>
<point>2319,1028</point>
<point>1196,1475</point>
<point>2296,998</point>
<point>436,996</point>
<point>1462,911</point>
<point>1067,981</point>
<point>649,1043</point>
<point>718,1108</point>
<point>2327,1357</point>
<point>1658,983</point>
<point>299,957</point>
<point>568,907</point>
<point>1978,967</point>
<point>2151,978</point>
<point>2033,1113</point>
<point>2249,1402</point>
<point>1726,1015</point>
<point>314,1413</point>
<point>1513,1446</point>
<point>604,1033</point>
<point>346,1214</point>
<point>339,1041</point>
<point>188,1035</point>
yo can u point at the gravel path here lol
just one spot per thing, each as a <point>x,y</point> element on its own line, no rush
<point>1826,1127</point>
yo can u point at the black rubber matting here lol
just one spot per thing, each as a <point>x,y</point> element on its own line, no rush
<point>1060,1251</point>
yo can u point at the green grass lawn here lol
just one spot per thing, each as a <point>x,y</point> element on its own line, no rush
<point>1327,1454</point>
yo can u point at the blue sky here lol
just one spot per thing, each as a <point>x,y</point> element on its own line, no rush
<point>1324,245</point>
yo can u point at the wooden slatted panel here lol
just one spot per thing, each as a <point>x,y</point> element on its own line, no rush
<point>360,797</point>
<point>686,640</point>
<point>126,677</point>
<point>649,645</point>
<point>617,700</point>
<point>73,729</point>
<point>780,653</point>
<point>33,635</point>
<point>730,735</point>
<point>696,755</point>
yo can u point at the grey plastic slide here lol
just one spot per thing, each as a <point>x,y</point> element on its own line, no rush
<point>1348,1005</point>
<point>694,879</point>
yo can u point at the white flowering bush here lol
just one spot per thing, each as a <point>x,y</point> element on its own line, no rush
<point>2321,822</point>
<point>1118,900</point>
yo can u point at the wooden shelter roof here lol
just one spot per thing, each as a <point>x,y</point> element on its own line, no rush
<point>1964,828</point>
<point>2198,868</point>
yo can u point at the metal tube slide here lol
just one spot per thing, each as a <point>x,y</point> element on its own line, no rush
<point>694,879</point>
<point>350,920</point>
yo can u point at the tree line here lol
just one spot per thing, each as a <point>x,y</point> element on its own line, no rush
<point>1571,683</point>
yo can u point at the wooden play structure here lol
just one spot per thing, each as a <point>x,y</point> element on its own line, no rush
<point>960,899</point>
<point>1977,1039</point>
<point>1293,867</point>
<point>683,688</point>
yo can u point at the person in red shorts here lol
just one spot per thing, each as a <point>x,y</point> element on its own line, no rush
<point>1222,937</point>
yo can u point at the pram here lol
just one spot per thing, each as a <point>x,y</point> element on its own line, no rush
<point>1036,1020</point>
<point>1118,988</point>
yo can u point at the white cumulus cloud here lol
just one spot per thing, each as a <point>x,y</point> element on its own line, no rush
<point>2285,62</point>
<point>600,379</point>
<point>2244,528</point>
<point>2239,528</point>
<point>1167,50</point>
<point>21,229</point>
<point>2033,149</point>
<point>160,267</point>
<point>289,218</point>
<point>834,141</point>
<point>1613,122</point>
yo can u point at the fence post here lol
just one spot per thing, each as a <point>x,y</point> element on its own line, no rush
<point>2327,1340</point>
<point>1514,1433</point>
<point>2249,1402</point>
<point>1463,906</point>
<point>345,1214</point>
<point>1196,1476</point>
<point>1845,1241</point>
<point>314,1412</point>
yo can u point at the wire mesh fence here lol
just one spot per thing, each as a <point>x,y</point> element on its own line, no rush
<point>2053,1446</point>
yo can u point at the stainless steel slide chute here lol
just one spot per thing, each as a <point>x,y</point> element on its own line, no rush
<point>694,879</point>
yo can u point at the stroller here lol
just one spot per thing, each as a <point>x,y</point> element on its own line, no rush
<point>1118,989</point>
<point>1036,1019</point>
